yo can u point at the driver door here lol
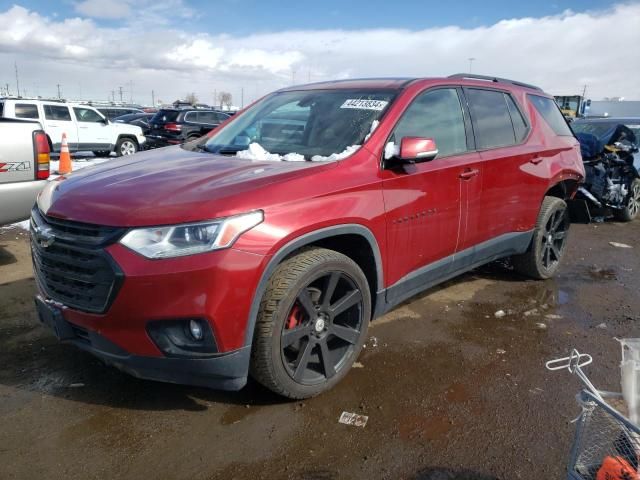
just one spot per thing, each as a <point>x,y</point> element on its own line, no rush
<point>425,202</point>
<point>92,129</point>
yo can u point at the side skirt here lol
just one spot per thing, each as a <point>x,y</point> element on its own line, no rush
<point>442,270</point>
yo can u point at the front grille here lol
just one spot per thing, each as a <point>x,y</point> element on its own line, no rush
<point>70,263</point>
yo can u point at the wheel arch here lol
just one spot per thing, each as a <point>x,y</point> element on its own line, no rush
<point>353,240</point>
<point>563,189</point>
<point>129,136</point>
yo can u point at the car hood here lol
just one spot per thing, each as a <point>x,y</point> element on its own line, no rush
<point>127,128</point>
<point>165,186</point>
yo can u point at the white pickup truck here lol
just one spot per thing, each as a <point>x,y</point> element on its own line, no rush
<point>85,127</point>
<point>24,167</point>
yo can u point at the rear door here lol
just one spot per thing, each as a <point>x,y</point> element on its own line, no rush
<point>57,120</point>
<point>425,202</point>
<point>93,131</point>
<point>500,132</point>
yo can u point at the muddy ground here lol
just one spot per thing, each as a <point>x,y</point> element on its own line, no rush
<point>451,391</point>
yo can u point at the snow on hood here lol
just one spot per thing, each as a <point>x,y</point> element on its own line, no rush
<point>257,153</point>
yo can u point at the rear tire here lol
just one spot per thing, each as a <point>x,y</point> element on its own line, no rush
<point>549,241</point>
<point>126,146</point>
<point>630,212</point>
<point>311,325</point>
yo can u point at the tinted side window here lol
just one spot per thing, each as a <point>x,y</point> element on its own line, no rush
<point>207,117</point>
<point>191,117</point>
<point>435,114</point>
<point>86,115</point>
<point>552,115</point>
<point>57,112</point>
<point>491,120</point>
<point>26,110</point>
<point>221,117</point>
<point>519,125</point>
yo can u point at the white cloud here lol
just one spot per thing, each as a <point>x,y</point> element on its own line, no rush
<point>560,53</point>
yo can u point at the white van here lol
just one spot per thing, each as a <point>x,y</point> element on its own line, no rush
<point>86,128</point>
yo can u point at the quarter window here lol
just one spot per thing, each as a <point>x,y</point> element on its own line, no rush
<point>57,112</point>
<point>552,115</point>
<point>26,110</point>
<point>435,114</point>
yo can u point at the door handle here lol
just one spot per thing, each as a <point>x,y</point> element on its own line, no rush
<point>536,160</point>
<point>469,173</point>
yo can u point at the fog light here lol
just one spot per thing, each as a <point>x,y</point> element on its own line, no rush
<point>196,330</point>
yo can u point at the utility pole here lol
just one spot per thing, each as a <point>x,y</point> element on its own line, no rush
<point>471,60</point>
<point>584,91</point>
<point>215,97</point>
<point>153,98</point>
<point>7,87</point>
<point>120,88</point>
<point>17,78</point>
<point>242,97</point>
<point>130,91</point>
<point>59,95</point>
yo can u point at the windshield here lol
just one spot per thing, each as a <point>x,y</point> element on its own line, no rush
<point>317,125</point>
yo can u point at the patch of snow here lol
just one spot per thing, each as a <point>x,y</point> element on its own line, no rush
<point>293,157</point>
<point>258,153</point>
<point>374,125</point>
<point>391,150</point>
<point>336,156</point>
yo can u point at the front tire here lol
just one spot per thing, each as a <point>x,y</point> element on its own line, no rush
<point>630,212</point>
<point>126,146</point>
<point>312,323</point>
<point>549,242</point>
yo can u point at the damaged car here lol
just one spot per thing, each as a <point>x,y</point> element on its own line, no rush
<point>609,150</point>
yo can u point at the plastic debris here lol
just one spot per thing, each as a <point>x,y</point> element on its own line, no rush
<point>358,365</point>
<point>602,326</point>
<point>541,326</point>
<point>553,316</point>
<point>353,419</point>
<point>500,314</point>
<point>619,245</point>
<point>533,311</point>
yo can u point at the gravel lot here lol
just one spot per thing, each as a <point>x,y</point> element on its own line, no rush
<point>451,391</point>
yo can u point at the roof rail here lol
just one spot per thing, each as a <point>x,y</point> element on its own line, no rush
<point>488,78</point>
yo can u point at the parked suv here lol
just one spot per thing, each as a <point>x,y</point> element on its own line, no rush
<point>172,126</point>
<point>85,127</point>
<point>267,247</point>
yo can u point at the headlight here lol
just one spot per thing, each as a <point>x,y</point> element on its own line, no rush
<point>190,238</point>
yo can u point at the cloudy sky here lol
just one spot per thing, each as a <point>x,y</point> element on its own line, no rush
<point>173,47</point>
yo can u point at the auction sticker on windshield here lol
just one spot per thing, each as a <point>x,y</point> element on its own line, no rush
<point>361,104</point>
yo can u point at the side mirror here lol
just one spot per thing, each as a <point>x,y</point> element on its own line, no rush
<point>417,149</point>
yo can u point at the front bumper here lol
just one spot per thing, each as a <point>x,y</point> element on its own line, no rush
<point>215,287</point>
<point>227,371</point>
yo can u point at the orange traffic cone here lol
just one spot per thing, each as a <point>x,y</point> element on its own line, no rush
<point>64,166</point>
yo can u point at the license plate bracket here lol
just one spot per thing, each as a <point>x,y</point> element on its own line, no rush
<point>52,317</point>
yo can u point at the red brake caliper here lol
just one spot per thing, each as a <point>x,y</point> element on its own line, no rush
<point>295,317</point>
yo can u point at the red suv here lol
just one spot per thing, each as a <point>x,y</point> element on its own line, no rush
<point>268,246</point>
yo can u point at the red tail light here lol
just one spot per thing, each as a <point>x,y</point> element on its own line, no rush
<point>42,155</point>
<point>173,127</point>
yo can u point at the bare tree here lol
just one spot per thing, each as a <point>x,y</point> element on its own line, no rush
<point>225,98</point>
<point>191,98</point>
